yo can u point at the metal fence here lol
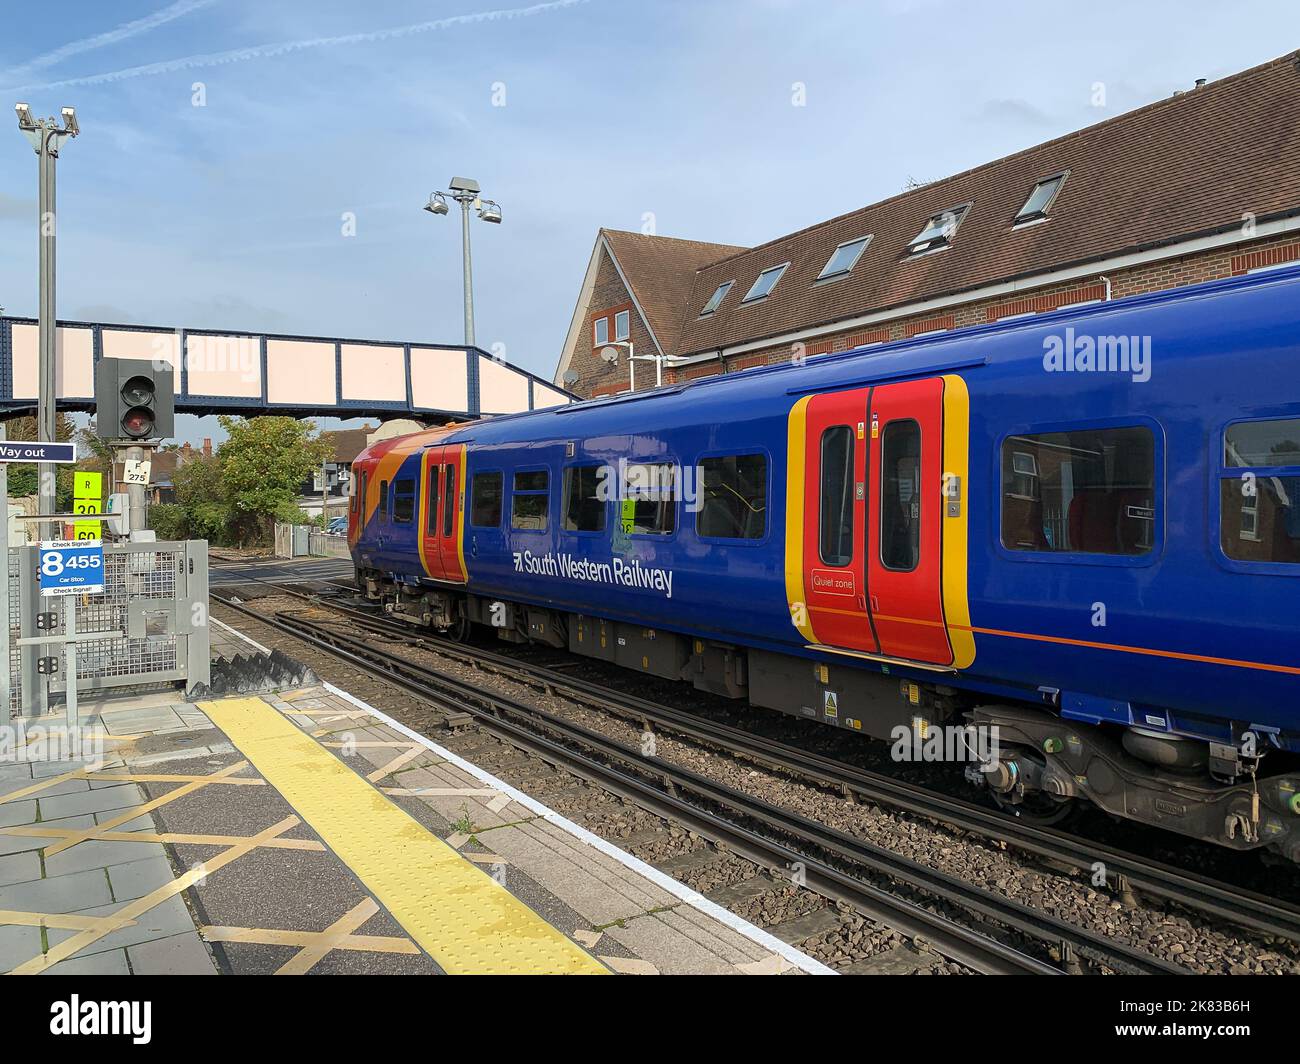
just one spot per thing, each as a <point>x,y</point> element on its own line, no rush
<point>300,541</point>
<point>152,615</point>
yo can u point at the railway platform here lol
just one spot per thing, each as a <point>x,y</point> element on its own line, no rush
<point>303,831</point>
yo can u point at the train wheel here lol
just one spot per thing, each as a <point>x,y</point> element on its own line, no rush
<point>459,632</point>
<point>1036,807</point>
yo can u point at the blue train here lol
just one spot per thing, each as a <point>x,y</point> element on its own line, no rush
<point>1070,540</point>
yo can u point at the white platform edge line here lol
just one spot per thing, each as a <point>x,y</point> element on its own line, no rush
<point>679,890</point>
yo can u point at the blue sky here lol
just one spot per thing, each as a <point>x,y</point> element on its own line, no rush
<point>230,215</point>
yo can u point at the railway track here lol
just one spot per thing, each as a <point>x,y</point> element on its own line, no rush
<point>830,862</point>
<point>1127,874</point>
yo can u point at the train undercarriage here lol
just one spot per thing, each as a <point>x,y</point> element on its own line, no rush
<point>1032,762</point>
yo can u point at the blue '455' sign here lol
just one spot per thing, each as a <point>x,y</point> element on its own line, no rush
<point>71,567</point>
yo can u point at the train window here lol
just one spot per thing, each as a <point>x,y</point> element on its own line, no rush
<point>435,472</point>
<point>1262,444</point>
<point>449,501</point>
<point>1259,493</point>
<point>385,503</point>
<point>584,509</point>
<point>1087,491</point>
<point>900,496</point>
<point>404,500</point>
<point>734,497</point>
<point>485,504</point>
<point>837,495</point>
<point>649,506</point>
<point>530,501</point>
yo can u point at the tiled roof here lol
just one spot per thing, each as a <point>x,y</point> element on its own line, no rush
<point>348,443</point>
<point>661,272</point>
<point>1182,167</point>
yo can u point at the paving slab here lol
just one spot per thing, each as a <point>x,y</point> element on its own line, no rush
<point>123,796</point>
<point>183,954</point>
<point>57,894</point>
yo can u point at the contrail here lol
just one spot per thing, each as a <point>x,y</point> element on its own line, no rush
<point>267,51</point>
<point>123,32</point>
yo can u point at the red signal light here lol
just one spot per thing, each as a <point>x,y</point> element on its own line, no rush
<point>137,423</point>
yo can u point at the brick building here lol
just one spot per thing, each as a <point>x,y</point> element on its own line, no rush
<point>1202,185</point>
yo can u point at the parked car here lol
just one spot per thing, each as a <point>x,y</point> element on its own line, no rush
<point>338,526</point>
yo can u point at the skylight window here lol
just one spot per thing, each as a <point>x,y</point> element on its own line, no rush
<point>765,282</point>
<point>1040,199</point>
<point>938,231</point>
<point>719,294</point>
<point>844,258</point>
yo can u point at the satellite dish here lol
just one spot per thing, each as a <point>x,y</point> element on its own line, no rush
<point>610,354</point>
<point>571,378</point>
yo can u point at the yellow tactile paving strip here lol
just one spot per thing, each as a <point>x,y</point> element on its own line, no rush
<point>462,918</point>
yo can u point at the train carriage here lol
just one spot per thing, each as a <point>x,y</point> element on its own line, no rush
<point>1074,537</point>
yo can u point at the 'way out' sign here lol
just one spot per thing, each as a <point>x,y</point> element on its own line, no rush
<point>23,451</point>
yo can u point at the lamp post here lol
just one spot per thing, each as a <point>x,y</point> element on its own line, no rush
<point>465,191</point>
<point>47,137</point>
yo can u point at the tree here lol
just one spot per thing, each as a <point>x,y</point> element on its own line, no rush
<point>200,488</point>
<point>263,464</point>
<point>22,477</point>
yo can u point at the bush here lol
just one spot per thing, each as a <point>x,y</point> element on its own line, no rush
<point>169,521</point>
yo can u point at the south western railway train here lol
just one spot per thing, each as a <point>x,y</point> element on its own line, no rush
<point>1078,532</point>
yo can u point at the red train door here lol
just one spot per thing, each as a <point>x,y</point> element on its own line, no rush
<point>834,542</point>
<point>440,513</point>
<point>905,520</point>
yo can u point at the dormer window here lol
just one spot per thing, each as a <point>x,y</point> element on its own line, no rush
<point>719,294</point>
<point>764,283</point>
<point>1040,199</point>
<point>844,258</point>
<point>938,231</point>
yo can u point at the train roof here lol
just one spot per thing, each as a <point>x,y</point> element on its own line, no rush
<point>964,349</point>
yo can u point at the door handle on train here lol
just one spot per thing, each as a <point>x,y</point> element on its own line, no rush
<point>875,604</point>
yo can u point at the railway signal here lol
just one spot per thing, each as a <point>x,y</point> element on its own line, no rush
<point>134,399</point>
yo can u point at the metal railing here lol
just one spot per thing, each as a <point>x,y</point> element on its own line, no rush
<point>148,626</point>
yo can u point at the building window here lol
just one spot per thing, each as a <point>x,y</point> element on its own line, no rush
<point>1259,492</point>
<point>844,258</point>
<point>719,294</point>
<point>837,495</point>
<point>735,497</point>
<point>1040,199</point>
<point>900,496</point>
<point>622,325</point>
<point>938,231</point>
<point>1087,491</point>
<point>404,500</point>
<point>764,283</point>
<point>435,472</point>
<point>584,509</point>
<point>649,506</point>
<point>530,501</point>
<point>600,331</point>
<point>485,501</point>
